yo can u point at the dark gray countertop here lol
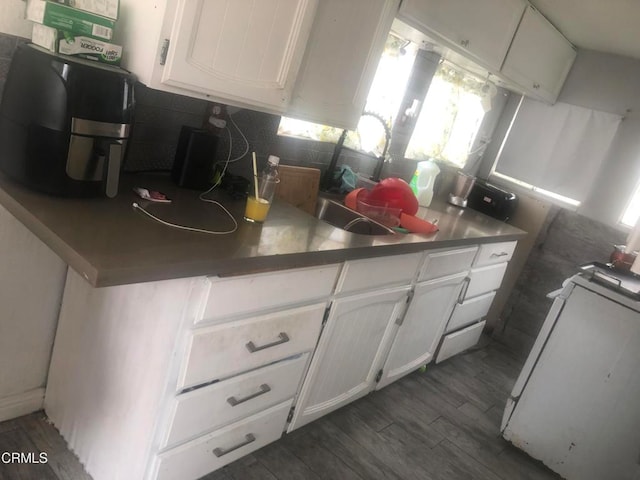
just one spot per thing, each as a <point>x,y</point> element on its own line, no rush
<point>110,243</point>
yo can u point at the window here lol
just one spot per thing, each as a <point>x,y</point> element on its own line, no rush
<point>449,117</point>
<point>556,150</point>
<point>385,96</point>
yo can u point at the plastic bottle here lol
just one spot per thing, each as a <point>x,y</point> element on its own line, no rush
<point>269,178</point>
<point>423,181</point>
<point>258,206</point>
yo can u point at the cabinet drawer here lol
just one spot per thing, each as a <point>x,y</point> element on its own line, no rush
<point>470,311</point>
<point>485,279</point>
<point>249,294</point>
<point>223,350</point>
<point>210,452</point>
<point>459,341</point>
<point>495,253</point>
<point>369,273</point>
<point>213,406</point>
<point>441,263</point>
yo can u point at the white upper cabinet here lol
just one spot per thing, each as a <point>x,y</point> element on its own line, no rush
<point>481,29</point>
<point>239,52</point>
<point>540,57</point>
<point>259,54</point>
<point>342,56</point>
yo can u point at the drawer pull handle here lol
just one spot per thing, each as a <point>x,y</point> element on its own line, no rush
<point>463,290</point>
<point>497,255</point>
<point>248,438</point>
<point>282,338</point>
<point>264,388</point>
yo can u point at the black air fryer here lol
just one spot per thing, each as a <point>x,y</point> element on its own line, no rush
<point>64,123</point>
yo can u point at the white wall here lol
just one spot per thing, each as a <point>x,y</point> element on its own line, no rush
<point>12,18</point>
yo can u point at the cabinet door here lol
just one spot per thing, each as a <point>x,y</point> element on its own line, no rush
<point>482,28</point>
<point>341,60</point>
<point>422,327</point>
<point>240,50</point>
<point>350,352</point>
<point>540,58</point>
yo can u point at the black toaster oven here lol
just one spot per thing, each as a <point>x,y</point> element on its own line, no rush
<point>491,200</point>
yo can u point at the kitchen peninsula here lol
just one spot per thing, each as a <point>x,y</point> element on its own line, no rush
<point>192,348</point>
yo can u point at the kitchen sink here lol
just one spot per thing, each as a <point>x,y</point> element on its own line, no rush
<point>342,217</point>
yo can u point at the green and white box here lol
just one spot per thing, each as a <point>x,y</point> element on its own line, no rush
<point>70,19</point>
<point>106,8</point>
<point>58,41</point>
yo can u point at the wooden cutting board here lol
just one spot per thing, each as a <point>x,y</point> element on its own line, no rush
<point>299,187</point>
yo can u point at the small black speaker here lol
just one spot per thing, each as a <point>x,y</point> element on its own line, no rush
<point>195,158</point>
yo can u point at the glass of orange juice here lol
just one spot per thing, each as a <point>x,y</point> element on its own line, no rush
<point>257,208</point>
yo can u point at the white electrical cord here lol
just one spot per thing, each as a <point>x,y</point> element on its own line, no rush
<point>246,142</point>
<point>208,200</point>
<point>229,159</point>
<point>190,229</point>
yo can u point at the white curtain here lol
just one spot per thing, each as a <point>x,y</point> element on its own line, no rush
<point>557,148</point>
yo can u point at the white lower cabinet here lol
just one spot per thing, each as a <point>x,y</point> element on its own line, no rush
<point>205,409</point>
<point>141,393</point>
<point>31,284</point>
<point>485,279</point>
<point>470,311</point>
<point>422,326</point>
<point>350,353</point>
<point>445,262</point>
<point>460,341</point>
<point>377,273</point>
<point>186,389</point>
<point>230,348</point>
<point>465,325</point>
<point>210,452</point>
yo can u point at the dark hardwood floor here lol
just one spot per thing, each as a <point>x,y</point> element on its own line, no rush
<point>441,424</point>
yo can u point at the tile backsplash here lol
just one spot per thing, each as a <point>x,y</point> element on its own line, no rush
<point>160,116</point>
<point>8,44</point>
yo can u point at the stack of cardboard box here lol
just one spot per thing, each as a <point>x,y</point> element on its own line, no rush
<point>82,28</point>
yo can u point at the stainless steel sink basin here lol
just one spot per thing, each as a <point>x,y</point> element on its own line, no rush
<point>342,217</point>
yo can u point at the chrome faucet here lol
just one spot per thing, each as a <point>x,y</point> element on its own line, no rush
<point>327,180</point>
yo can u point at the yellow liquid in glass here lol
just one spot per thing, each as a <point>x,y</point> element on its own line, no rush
<point>256,210</point>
